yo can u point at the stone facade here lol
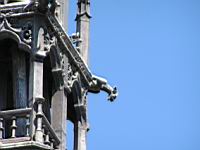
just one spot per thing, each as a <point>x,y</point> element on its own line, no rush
<point>44,77</point>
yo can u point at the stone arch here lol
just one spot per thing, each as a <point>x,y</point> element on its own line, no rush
<point>73,102</point>
<point>76,92</point>
<point>7,34</point>
<point>14,75</point>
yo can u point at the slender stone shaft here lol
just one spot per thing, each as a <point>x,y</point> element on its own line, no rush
<point>36,99</point>
<point>79,136</point>
<point>59,113</point>
<point>83,27</point>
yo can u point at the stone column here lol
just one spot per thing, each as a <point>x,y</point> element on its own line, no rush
<point>80,133</point>
<point>83,27</point>
<point>63,13</point>
<point>59,111</point>
<point>36,97</point>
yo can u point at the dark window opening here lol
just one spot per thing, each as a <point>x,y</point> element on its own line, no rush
<point>48,84</point>
<point>6,81</point>
<point>14,76</point>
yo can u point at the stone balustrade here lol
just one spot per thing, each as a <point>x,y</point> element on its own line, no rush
<point>8,131</point>
<point>12,116</point>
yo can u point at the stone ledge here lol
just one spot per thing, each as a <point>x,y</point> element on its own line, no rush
<point>14,140</point>
<point>22,145</point>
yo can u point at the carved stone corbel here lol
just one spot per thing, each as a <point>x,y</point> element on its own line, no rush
<point>72,76</point>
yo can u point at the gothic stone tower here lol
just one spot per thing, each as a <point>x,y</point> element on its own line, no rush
<point>44,77</point>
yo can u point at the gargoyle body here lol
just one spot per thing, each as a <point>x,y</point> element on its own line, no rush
<point>101,84</point>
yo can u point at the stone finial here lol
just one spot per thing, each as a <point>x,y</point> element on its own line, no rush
<point>83,9</point>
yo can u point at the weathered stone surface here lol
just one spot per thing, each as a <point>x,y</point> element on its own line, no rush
<point>46,78</point>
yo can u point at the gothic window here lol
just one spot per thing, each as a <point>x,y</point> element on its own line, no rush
<point>13,81</point>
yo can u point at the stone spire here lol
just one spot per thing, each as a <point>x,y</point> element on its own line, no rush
<point>63,12</point>
<point>83,27</point>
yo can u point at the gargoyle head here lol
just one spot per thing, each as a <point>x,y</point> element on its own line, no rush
<point>113,95</point>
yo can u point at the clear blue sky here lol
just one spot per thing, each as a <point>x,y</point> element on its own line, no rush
<point>150,49</point>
